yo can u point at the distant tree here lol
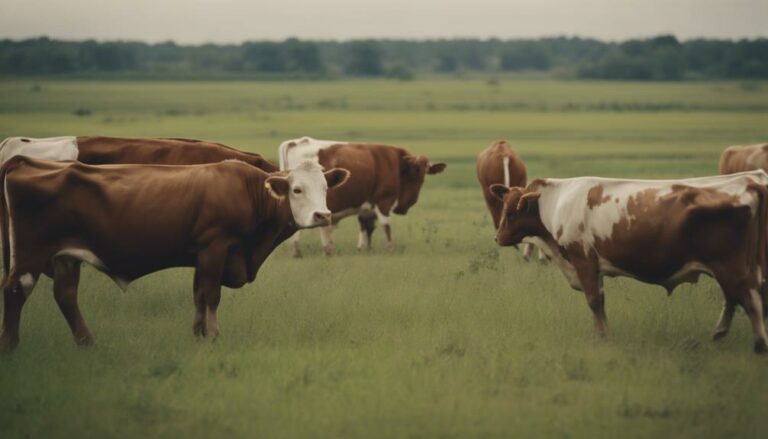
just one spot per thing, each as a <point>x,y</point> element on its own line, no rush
<point>528,56</point>
<point>668,63</point>
<point>264,57</point>
<point>446,63</point>
<point>302,56</point>
<point>364,59</point>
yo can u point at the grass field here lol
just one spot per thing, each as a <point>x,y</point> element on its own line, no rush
<point>446,336</point>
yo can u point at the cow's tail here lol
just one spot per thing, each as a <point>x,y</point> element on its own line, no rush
<point>5,222</point>
<point>762,241</point>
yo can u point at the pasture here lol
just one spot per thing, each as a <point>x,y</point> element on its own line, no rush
<point>446,336</point>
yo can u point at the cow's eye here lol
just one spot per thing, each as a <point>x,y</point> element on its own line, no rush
<point>297,190</point>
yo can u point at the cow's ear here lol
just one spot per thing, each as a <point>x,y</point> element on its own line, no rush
<point>499,191</point>
<point>528,202</point>
<point>436,168</point>
<point>336,177</point>
<point>278,187</point>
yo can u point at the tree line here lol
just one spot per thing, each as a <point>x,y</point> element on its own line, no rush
<point>658,58</point>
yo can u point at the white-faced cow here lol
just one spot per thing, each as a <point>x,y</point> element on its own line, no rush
<point>122,150</point>
<point>664,232</point>
<point>500,164</point>
<point>223,219</point>
<point>744,158</point>
<point>383,179</point>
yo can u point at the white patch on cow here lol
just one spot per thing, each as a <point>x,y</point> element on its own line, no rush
<point>293,152</point>
<point>563,204</point>
<point>28,283</point>
<point>88,256</point>
<point>362,240</point>
<point>312,188</point>
<point>50,148</point>
<point>506,171</point>
<point>384,219</point>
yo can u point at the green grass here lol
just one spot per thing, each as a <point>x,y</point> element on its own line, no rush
<point>447,336</point>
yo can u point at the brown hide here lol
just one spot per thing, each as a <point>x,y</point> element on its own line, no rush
<point>380,175</point>
<point>664,240</point>
<point>114,150</point>
<point>744,158</point>
<point>490,170</point>
<point>138,219</point>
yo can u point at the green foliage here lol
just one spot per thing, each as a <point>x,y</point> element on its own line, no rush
<point>449,335</point>
<point>658,58</point>
<point>364,59</point>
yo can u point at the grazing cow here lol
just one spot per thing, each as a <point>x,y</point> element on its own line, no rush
<point>223,219</point>
<point>120,150</point>
<point>500,164</point>
<point>384,179</point>
<point>744,158</point>
<point>663,232</point>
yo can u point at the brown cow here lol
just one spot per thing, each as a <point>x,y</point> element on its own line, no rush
<point>500,164</point>
<point>120,150</point>
<point>663,232</point>
<point>224,219</point>
<point>744,158</point>
<point>384,179</point>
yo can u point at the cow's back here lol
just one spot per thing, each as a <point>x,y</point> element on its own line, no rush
<point>744,158</point>
<point>50,148</point>
<point>170,151</point>
<point>295,151</point>
<point>499,164</point>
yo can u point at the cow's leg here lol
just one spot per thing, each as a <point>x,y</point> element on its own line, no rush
<point>753,305</point>
<point>66,277</point>
<point>726,317</point>
<point>527,248</point>
<point>326,239</point>
<point>14,299</point>
<point>367,221</point>
<point>742,289</point>
<point>295,242</point>
<point>542,255</point>
<point>198,297</point>
<point>207,285</point>
<point>382,214</point>
<point>592,285</point>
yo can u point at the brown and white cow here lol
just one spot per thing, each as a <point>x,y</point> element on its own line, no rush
<point>224,219</point>
<point>663,232</point>
<point>744,158</point>
<point>383,179</point>
<point>98,150</point>
<point>500,164</point>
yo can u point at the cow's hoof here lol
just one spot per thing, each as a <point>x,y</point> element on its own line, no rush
<point>761,347</point>
<point>8,344</point>
<point>297,254</point>
<point>719,333</point>
<point>84,341</point>
<point>198,329</point>
<point>328,251</point>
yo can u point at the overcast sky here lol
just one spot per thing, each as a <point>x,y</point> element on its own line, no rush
<point>228,21</point>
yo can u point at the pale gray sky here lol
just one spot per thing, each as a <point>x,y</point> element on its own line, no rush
<point>227,21</point>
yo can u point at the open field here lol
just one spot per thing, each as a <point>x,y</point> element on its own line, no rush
<point>448,335</point>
